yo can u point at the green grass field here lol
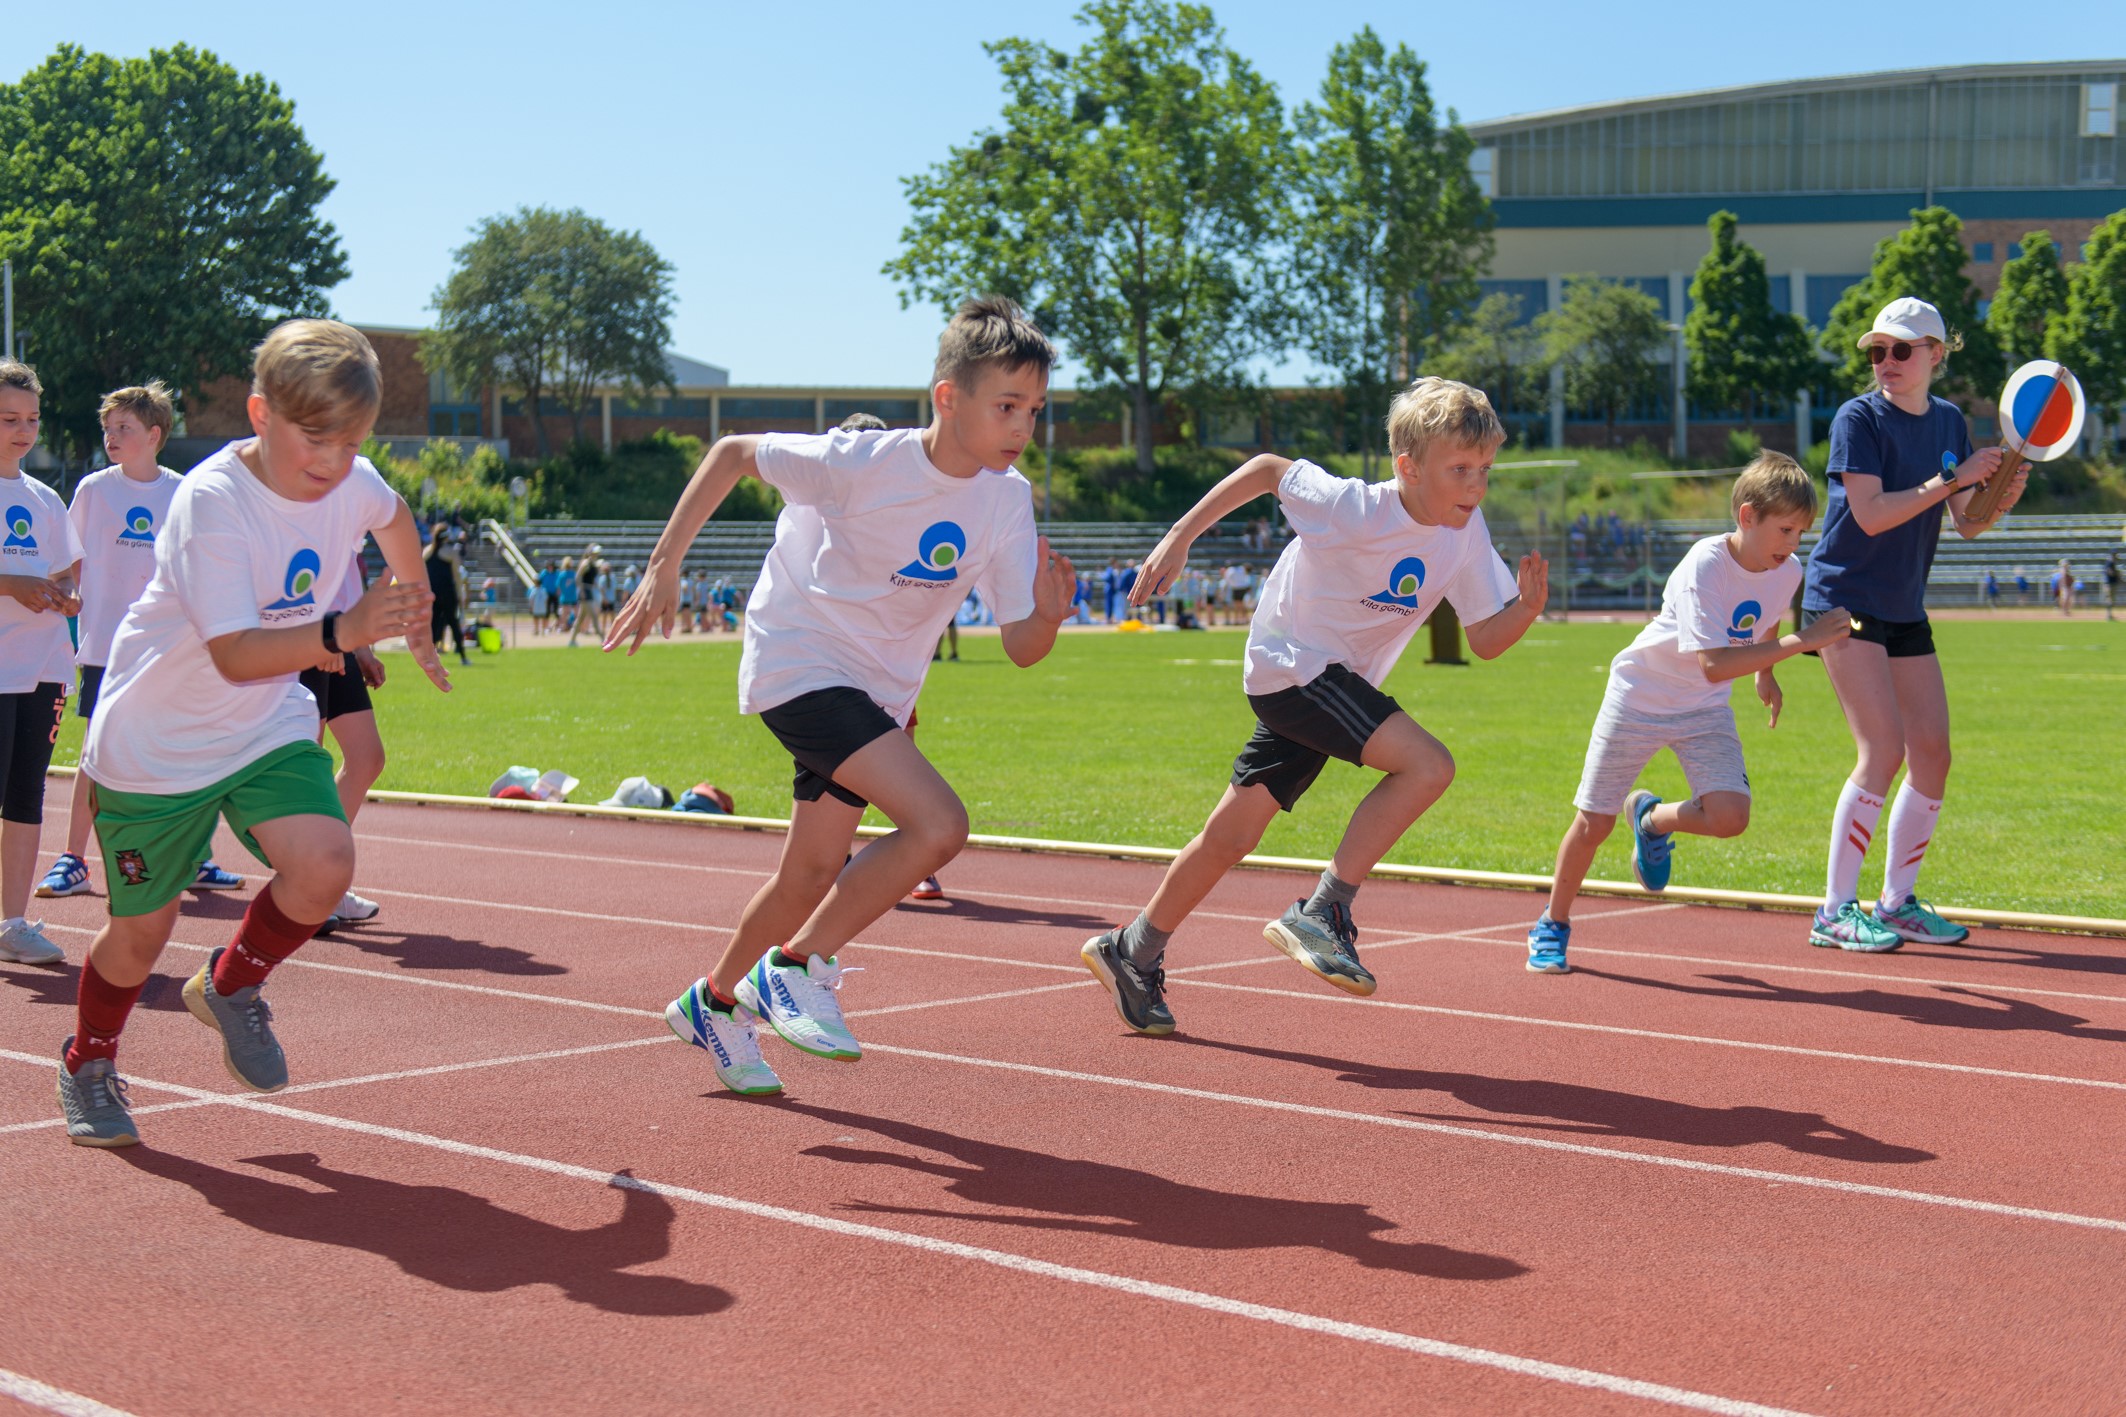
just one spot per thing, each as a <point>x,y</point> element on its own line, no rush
<point>1128,738</point>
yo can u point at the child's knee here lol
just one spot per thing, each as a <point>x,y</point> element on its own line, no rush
<point>941,829</point>
<point>1594,827</point>
<point>1730,817</point>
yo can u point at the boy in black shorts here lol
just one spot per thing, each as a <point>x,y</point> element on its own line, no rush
<point>1366,564</point>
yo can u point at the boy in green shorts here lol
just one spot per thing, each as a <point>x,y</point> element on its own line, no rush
<point>201,714</point>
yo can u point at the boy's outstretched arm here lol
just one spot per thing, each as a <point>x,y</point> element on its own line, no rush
<point>1493,636</point>
<point>655,603</point>
<point>1055,582</point>
<point>1256,477</point>
<point>400,543</point>
<point>1734,661</point>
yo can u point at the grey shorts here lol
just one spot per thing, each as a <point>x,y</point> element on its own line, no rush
<point>1624,742</point>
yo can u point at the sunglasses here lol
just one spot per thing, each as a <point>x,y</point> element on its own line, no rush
<point>1898,352</point>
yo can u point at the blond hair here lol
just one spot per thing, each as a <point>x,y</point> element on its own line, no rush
<point>1432,409</point>
<point>991,331</point>
<point>1773,484</point>
<point>149,402</point>
<point>862,423</point>
<point>319,374</point>
<point>14,374</point>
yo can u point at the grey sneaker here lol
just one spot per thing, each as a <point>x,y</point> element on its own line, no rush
<point>1140,994</point>
<point>27,944</point>
<point>245,1022</point>
<point>1328,948</point>
<point>95,1103</point>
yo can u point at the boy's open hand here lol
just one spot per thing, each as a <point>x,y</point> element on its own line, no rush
<point>1772,696</point>
<point>39,593</point>
<point>371,667</point>
<point>422,646</point>
<point>1161,569</point>
<point>1055,584</point>
<point>655,604</point>
<point>1532,579</point>
<point>386,609</point>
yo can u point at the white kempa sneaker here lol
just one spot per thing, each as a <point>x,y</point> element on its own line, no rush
<point>354,909</point>
<point>728,1039</point>
<point>799,1004</point>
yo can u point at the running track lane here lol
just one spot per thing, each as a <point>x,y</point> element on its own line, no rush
<point>1794,1296</point>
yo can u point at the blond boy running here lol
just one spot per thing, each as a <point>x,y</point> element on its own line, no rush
<point>1669,689</point>
<point>1366,564</point>
<point>202,716</point>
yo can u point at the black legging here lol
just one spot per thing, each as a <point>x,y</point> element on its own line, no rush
<point>29,726</point>
<point>443,615</point>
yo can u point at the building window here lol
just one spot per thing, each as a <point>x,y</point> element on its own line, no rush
<point>898,413</point>
<point>1482,170</point>
<point>1983,307</point>
<point>1982,252</point>
<point>2015,250</point>
<point>2100,110</point>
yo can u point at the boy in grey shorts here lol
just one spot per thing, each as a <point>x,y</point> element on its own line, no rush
<point>1669,689</point>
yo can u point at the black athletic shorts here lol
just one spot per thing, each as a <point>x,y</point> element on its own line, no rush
<point>1299,729</point>
<point>29,726</point>
<point>341,693</point>
<point>91,686</point>
<point>1904,639</point>
<point>821,731</point>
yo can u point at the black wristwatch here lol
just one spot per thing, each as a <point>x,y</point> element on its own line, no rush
<point>328,624</point>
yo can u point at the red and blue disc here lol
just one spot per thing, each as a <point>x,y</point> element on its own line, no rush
<point>2042,410</point>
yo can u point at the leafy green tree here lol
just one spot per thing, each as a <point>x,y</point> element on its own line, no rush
<point>161,213</point>
<point>1925,260</point>
<point>1128,198</point>
<point>1604,335</point>
<point>2032,295</point>
<point>2090,338</point>
<point>1743,352</point>
<point>1391,232</point>
<point>1494,349</point>
<point>553,303</point>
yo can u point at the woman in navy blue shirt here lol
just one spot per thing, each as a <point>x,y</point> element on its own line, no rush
<point>1898,456</point>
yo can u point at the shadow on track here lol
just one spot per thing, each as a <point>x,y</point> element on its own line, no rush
<point>1578,1110</point>
<point>62,986</point>
<point>441,951</point>
<point>1934,1009</point>
<point>1093,1197</point>
<point>989,913</point>
<point>450,1237</point>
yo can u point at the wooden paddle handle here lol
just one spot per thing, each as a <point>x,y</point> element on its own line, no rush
<point>1985,504</point>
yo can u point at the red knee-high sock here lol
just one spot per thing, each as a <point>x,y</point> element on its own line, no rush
<point>100,1017</point>
<point>266,937</point>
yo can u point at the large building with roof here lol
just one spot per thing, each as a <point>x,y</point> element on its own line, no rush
<point>1816,170</point>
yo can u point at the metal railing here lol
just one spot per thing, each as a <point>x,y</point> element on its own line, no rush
<point>512,555</point>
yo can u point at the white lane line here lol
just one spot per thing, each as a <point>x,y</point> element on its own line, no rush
<point>1624,1032</point>
<point>435,1070</point>
<point>1732,963</point>
<point>46,1398</point>
<point>1607,1153</point>
<point>1023,1264</point>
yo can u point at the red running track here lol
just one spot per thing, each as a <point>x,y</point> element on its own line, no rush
<point>1712,1169</point>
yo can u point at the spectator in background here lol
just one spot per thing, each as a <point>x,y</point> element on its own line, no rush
<point>441,559</point>
<point>550,582</point>
<point>587,574</point>
<point>2112,577</point>
<point>2063,587</point>
<point>569,589</point>
<point>1989,590</point>
<point>2022,586</point>
<point>1111,585</point>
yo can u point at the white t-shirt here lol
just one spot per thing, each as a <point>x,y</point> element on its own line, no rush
<point>234,555</point>
<point>1710,602</point>
<point>36,539</point>
<point>873,553</point>
<point>116,519</point>
<point>1358,578</point>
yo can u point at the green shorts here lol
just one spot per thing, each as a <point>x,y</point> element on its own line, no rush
<point>153,843</point>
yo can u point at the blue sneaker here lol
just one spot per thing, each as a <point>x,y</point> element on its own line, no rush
<point>1649,850</point>
<point>728,1038</point>
<point>1546,946</point>
<point>69,876</point>
<point>213,878</point>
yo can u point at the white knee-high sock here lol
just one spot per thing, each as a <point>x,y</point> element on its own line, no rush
<point>1852,828</point>
<point>1912,819</point>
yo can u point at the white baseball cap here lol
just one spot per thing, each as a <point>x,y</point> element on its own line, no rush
<point>1906,318</point>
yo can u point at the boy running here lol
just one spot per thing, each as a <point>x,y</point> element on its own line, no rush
<point>202,717</point>
<point>879,538</point>
<point>115,513</point>
<point>40,556</point>
<point>1669,689</point>
<point>1366,564</point>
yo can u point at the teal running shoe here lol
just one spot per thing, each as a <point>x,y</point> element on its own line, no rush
<point>1914,921</point>
<point>1851,928</point>
<point>1649,850</point>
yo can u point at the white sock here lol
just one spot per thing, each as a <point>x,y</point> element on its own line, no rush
<point>1852,828</point>
<point>1912,819</point>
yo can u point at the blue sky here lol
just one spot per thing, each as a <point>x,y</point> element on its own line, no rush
<point>760,147</point>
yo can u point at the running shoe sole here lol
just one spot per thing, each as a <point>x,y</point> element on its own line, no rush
<point>1832,942</point>
<point>1276,933</point>
<point>1090,953</point>
<point>1561,967</point>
